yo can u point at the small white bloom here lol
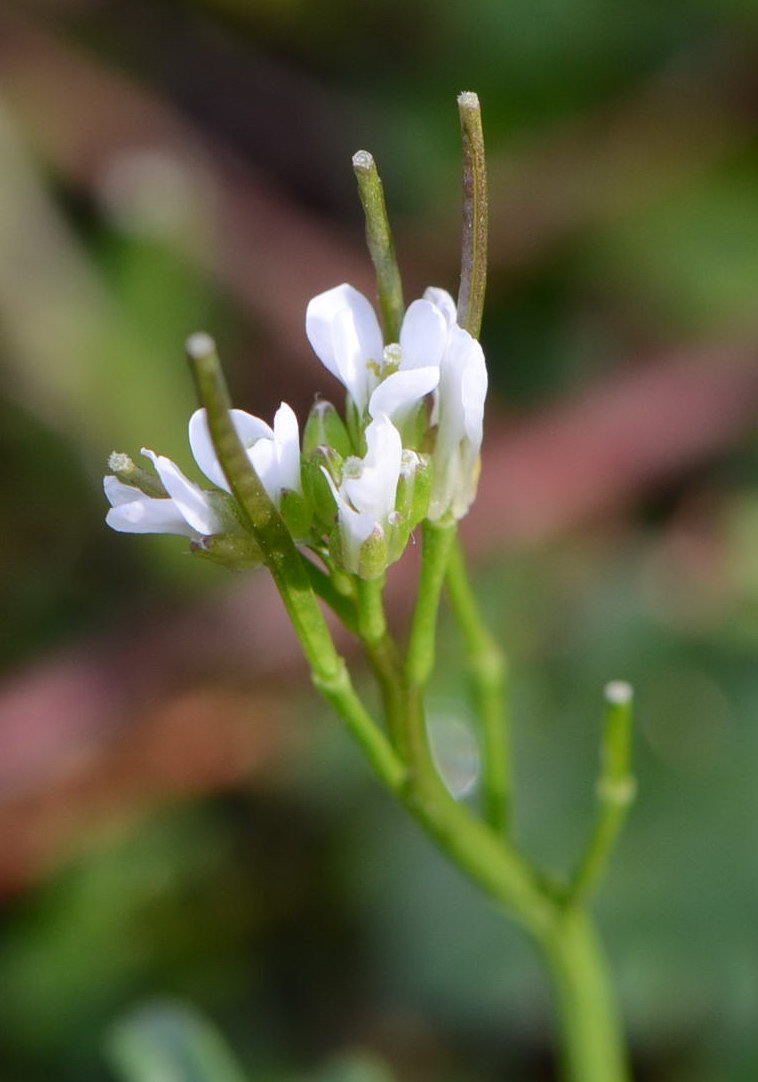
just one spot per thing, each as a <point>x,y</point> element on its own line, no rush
<point>434,355</point>
<point>186,511</point>
<point>367,494</point>
<point>344,332</point>
<point>273,452</point>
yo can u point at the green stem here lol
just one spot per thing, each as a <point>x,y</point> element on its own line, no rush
<point>328,669</point>
<point>380,244</point>
<point>438,540</point>
<point>420,655</point>
<point>384,658</point>
<point>615,792</point>
<point>592,1041</point>
<point>474,241</point>
<point>488,675</point>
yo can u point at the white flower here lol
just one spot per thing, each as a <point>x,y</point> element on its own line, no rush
<point>434,354</point>
<point>458,414</point>
<point>344,331</point>
<point>273,452</point>
<point>187,509</point>
<point>367,494</point>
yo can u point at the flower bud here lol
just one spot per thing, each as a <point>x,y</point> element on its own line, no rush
<point>325,428</point>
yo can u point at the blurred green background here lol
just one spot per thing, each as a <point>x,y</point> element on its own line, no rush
<point>180,821</point>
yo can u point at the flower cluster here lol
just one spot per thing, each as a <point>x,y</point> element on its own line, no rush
<point>407,450</point>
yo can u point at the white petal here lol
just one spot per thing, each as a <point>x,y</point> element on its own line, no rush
<point>374,491</point>
<point>442,300</point>
<point>422,336</point>
<point>355,526</point>
<point>350,358</point>
<point>189,498</point>
<point>319,320</point>
<point>263,457</point>
<point>119,493</point>
<point>463,388</point>
<point>343,329</point>
<point>249,429</point>
<point>287,444</point>
<point>401,392</point>
<point>474,393</point>
<point>149,515</point>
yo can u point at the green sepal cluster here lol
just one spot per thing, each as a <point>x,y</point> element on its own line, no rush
<point>412,504</point>
<point>239,552</point>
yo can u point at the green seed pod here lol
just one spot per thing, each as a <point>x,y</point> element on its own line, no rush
<point>325,428</point>
<point>129,473</point>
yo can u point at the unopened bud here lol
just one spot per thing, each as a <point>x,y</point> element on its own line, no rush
<point>325,428</point>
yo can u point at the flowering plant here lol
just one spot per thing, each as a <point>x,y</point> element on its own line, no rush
<point>329,517</point>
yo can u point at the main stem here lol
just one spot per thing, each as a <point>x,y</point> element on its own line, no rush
<point>591,1038</point>
<point>592,1042</point>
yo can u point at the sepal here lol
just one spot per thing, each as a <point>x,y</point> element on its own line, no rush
<point>240,552</point>
<point>373,555</point>
<point>316,487</point>
<point>414,488</point>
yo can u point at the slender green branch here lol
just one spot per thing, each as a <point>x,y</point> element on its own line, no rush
<point>615,792</point>
<point>384,658</point>
<point>380,244</point>
<point>287,568</point>
<point>474,241</point>
<point>488,676</point>
<point>438,540</point>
